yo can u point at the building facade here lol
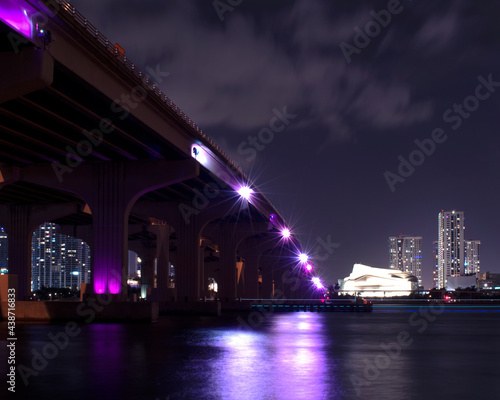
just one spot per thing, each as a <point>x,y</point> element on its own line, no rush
<point>58,260</point>
<point>406,255</point>
<point>471,253</point>
<point>378,282</point>
<point>451,245</point>
<point>435,269</point>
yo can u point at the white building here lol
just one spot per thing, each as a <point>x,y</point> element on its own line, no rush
<point>378,282</point>
<point>471,253</point>
<point>406,255</point>
<point>451,245</point>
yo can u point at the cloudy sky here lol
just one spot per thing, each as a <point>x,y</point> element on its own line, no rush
<point>354,98</point>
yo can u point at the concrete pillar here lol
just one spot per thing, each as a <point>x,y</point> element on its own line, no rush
<point>110,229</point>
<point>249,250</point>
<point>163,232</point>
<point>188,266</point>
<point>148,256</point>
<point>20,233</point>
<point>227,247</point>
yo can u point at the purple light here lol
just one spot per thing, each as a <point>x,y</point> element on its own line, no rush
<point>309,267</point>
<point>17,14</point>
<point>286,233</point>
<point>245,192</point>
<point>317,282</point>
<point>303,257</point>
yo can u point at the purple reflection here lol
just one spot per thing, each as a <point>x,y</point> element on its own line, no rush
<point>17,14</point>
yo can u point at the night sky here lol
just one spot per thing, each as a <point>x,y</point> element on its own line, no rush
<point>354,107</point>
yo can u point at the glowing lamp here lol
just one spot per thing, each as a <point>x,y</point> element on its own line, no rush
<point>245,192</point>
<point>309,267</point>
<point>317,282</point>
<point>303,257</point>
<point>286,233</point>
<point>198,153</point>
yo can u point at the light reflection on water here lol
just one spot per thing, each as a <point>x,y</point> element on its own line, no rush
<point>286,362</point>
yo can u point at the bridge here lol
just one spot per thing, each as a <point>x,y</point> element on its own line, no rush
<point>89,142</point>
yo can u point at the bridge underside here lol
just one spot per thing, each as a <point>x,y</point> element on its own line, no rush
<point>92,146</point>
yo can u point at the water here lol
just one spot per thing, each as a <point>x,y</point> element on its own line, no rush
<point>313,356</point>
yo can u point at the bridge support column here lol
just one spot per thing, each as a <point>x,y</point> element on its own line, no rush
<point>267,269</point>
<point>227,246</point>
<point>148,256</point>
<point>163,233</point>
<point>20,233</point>
<point>250,252</point>
<point>110,225</point>
<point>188,267</point>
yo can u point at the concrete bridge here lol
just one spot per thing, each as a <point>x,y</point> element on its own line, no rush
<point>89,142</point>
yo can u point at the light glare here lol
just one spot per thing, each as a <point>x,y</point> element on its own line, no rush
<point>317,282</point>
<point>286,233</point>
<point>245,192</point>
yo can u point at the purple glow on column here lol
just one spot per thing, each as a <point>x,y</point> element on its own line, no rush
<point>17,14</point>
<point>114,285</point>
<point>100,276</point>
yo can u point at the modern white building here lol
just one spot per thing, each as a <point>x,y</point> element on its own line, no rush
<point>378,282</point>
<point>471,263</point>
<point>451,245</point>
<point>406,255</point>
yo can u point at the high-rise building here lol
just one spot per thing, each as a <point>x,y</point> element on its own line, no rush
<point>451,245</point>
<point>58,260</point>
<point>435,270</point>
<point>406,255</point>
<point>471,253</point>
